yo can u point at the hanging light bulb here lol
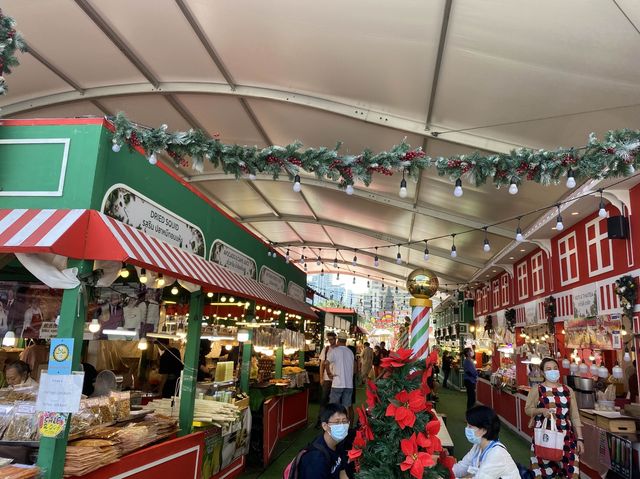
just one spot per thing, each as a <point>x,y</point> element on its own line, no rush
<point>94,325</point>
<point>322,272</point>
<point>573,367</point>
<point>559,224</point>
<point>124,272</point>
<point>382,284</point>
<point>143,276</point>
<point>602,212</point>
<point>513,187</point>
<point>368,282</point>
<point>209,294</point>
<point>519,237</point>
<point>486,247</point>
<point>143,344</point>
<point>349,190</point>
<point>303,259</point>
<point>296,184</point>
<point>338,275</point>
<point>116,146</point>
<point>566,363</point>
<point>454,251</point>
<point>623,331</point>
<point>376,260</point>
<point>398,256</point>
<point>287,257</point>
<point>160,280</point>
<point>617,372</point>
<point>305,267</point>
<point>354,280</point>
<point>335,260</point>
<point>403,187</point>
<point>457,191</point>
<point>152,159</point>
<point>174,290</point>
<point>571,181</point>
<point>319,260</point>
<point>355,259</point>
<point>426,251</point>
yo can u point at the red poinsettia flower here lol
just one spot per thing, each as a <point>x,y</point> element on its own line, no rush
<point>432,358</point>
<point>416,461</point>
<point>433,427</point>
<point>354,454</point>
<point>397,359</point>
<point>430,444</point>
<point>360,441</point>
<point>372,394</point>
<point>424,385</point>
<point>409,404</point>
<point>447,461</point>
<point>364,424</point>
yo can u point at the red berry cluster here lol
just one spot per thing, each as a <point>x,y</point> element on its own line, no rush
<point>177,159</point>
<point>335,164</point>
<point>611,151</point>
<point>532,173</point>
<point>523,167</point>
<point>134,140</point>
<point>295,161</point>
<point>274,160</point>
<point>569,160</point>
<point>382,170</point>
<point>502,174</point>
<point>454,163</point>
<point>412,155</point>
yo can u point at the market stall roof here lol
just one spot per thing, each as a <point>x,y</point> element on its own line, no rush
<point>452,77</point>
<point>89,234</point>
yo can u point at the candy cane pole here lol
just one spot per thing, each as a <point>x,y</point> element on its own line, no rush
<point>420,312</point>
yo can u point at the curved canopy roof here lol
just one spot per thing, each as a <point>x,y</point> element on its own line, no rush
<point>452,76</point>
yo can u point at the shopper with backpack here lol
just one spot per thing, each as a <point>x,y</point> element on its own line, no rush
<point>326,456</point>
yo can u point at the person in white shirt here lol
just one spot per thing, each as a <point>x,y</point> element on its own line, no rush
<point>488,458</point>
<point>341,372</point>
<point>325,380</point>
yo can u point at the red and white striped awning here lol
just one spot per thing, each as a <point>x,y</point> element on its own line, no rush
<point>88,234</point>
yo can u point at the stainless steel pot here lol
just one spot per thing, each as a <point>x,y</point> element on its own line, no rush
<point>583,384</point>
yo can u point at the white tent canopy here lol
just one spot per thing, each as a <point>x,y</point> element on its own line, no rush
<point>450,76</point>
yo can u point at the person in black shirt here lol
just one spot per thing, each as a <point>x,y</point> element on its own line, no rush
<point>327,458</point>
<point>203,371</point>
<point>170,366</point>
<point>446,367</point>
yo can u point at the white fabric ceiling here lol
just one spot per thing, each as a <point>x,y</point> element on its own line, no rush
<point>368,73</point>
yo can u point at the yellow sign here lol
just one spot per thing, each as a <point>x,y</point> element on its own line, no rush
<point>52,424</point>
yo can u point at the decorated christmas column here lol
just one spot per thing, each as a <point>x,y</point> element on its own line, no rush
<point>422,284</point>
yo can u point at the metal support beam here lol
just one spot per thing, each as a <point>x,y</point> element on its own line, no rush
<point>185,113</point>
<point>394,240</point>
<point>35,54</point>
<point>115,38</point>
<point>316,102</point>
<point>254,119</point>
<point>436,71</point>
<point>416,207</point>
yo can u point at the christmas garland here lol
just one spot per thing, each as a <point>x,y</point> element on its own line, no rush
<point>627,293</point>
<point>615,156</point>
<point>510,318</point>
<point>550,311</point>
<point>397,435</point>
<point>10,40</point>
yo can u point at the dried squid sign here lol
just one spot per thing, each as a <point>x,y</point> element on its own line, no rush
<point>272,279</point>
<point>227,256</point>
<point>295,291</point>
<point>134,209</point>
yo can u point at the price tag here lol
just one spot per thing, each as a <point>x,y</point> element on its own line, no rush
<point>60,393</point>
<point>52,424</point>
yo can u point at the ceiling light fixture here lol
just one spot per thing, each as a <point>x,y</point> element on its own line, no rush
<point>376,260</point>
<point>403,186</point>
<point>398,256</point>
<point>513,187</point>
<point>486,247</point>
<point>296,184</point>
<point>602,212</point>
<point>457,191</point>
<point>454,251</point>
<point>571,181</point>
<point>349,189</point>
<point>559,224</point>
<point>426,251</point>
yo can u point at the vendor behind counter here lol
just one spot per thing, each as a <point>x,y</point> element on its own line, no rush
<point>18,374</point>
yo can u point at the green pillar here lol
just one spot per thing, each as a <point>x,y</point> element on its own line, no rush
<point>279,360</point>
<point>301,358</point>
<point>73,314</point>
<point>191,360</point>
<point>245,369</point>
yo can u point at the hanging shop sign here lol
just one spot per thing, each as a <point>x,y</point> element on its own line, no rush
<point>585,302</point>
<point>596,332</point>
<point>134,209</point>
<point>29,310</point>
<point>295,291</point>
<point>272,279</point>
<point>531,313</point>
<point>234,260</point>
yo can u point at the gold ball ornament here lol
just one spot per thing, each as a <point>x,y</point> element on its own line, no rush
<point>422,283</point>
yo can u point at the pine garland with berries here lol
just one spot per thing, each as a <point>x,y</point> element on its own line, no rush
<point>613,157</point>
<point>397,434</point>
<point>10,41</point>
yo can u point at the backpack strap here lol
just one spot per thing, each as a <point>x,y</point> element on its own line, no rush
<point>293,472</point>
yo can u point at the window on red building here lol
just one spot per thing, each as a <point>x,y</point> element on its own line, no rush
<point>485,299</point>
<point>599,251</point>
<point>537,273</point>
<point>504,289</point>
<point>523,281</point>
<point>495,289</point>
<point>568,257</point>
<point>478,301</point>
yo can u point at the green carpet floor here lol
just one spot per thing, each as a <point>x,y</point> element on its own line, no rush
<point>451,402</point>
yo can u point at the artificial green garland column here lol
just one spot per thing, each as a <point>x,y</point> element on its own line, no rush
<point>73,312</point>
<point>191,363</point>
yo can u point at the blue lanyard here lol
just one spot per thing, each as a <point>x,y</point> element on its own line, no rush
<point>491,445</point>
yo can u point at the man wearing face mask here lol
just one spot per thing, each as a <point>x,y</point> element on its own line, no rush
<point>488,458</point>
<point>326,457</point>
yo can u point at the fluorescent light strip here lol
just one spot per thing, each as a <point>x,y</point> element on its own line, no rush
<point>218,338</point>
<point>162,336</point>
<point>119,332</point>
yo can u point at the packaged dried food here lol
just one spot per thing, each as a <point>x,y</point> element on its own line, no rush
<point>102,432</point>
<point>83,419</point>
<point>121,402</point>
<point>105,410</point>
<point>19,471</point>
<point>24,423</point>
<point>6,413</point>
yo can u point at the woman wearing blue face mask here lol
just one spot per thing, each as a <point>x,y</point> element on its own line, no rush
<point>325,457</point>
<point>488,458</point>
<point>555,401</point>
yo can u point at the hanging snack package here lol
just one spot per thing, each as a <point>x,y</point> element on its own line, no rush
<point>6,413</point>
<point>105,410</point>
<point>121,403</point>
<point>24,423</point>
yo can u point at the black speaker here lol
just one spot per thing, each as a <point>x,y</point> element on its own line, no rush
<point>618,227</point>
